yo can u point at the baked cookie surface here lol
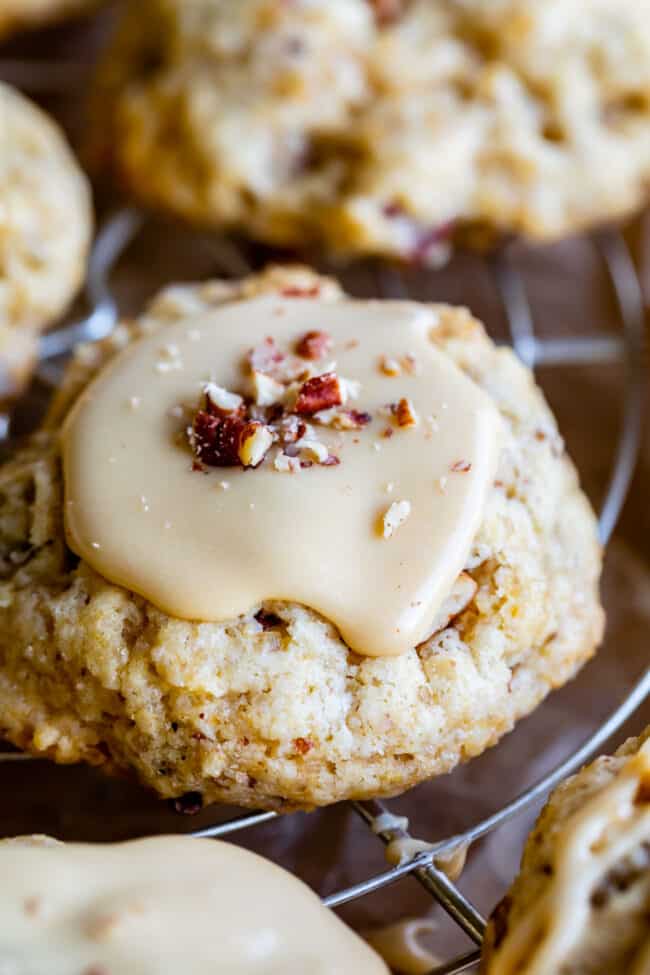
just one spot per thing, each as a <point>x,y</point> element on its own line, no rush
<point>385,128</point>
<point>18,15</point>
<point>580,903</point>
<point>161,904</point>
<point>45,230</point>
<point>272,709</point>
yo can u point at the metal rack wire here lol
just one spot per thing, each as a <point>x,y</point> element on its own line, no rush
<point>625,348</point>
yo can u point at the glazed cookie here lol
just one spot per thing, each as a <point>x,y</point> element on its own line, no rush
<point>45,230</point>
<point>372,514</point>
<point>581,902</point>
<point>164,904</point>
<point>389,128</point>
<point>18,15</point>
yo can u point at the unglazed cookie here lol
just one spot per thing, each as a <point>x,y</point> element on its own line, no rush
<point>164,904</point>
<point>45,229</point>
<point>22,14</point>
<point>380,127</point>
<point>272,708</point>
<point>581,903</point>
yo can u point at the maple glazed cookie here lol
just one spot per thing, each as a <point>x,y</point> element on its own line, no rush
<point>164,904</point>
<point>381,127</point>
<point>18,15</point>
<point>581,902</point>
<point>366,504</point>
<point>45,230</point>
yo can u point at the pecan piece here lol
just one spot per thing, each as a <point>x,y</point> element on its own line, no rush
<point>220,401</point>
<point>265,389</point>
<point>405,414</point>
<point>387,11</point>
<point>229,441</point>
<point>188,804</point>
<point>301,291</point>
<point>255,441</point>
<point>395,516</point>
<point>265,357</point>
<point>319,393</point>
<point>314,345</point>
<point>302,745</point>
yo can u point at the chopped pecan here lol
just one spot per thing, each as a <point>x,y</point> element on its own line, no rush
<point>285,464</point>
<point>268,621</point>
<point>319,393</point>
<point>314,345</point>
<point>290,429</point>
<point>390,367</point>
<point>265,389</point>
<point>343,419</point>
<point>405,414</point>
<point>189,804</point>
<point>255,442</point>
<point>301,291</point>
<point>394,517</point>
<point>303,745</point>
<point>387,11</point>
<point>229,441</point>
<point>461,467</point>
<point>312,451</point>
<point>265,357</point>
<point>220,401</point>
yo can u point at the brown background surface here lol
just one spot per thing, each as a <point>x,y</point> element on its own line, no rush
<point>332,848</point>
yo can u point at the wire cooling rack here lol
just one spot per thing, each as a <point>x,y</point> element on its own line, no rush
<point>623,348</point>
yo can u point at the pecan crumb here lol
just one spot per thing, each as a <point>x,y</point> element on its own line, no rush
<point>265,357</point>
<point>220,401</point>
<point>405,413</point>
<point>298,291</point>
<point>390,367</point>
<point>394,517</point>
<point>32,906</point>
<point>314,345</point>
<point>409,364</point>
<point>285,464</point>
<point>268,621</point>
<point>188,804</point>
<point>303,745</point>
<point>461,467</point>
<point>387,11</point>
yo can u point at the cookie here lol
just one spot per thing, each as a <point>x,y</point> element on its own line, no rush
<point>164,904</point>
<point>45,231</point>
<point>18,15</point>
<point>380,128</point>
<point>580,903</point>
<point>271,707</point>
